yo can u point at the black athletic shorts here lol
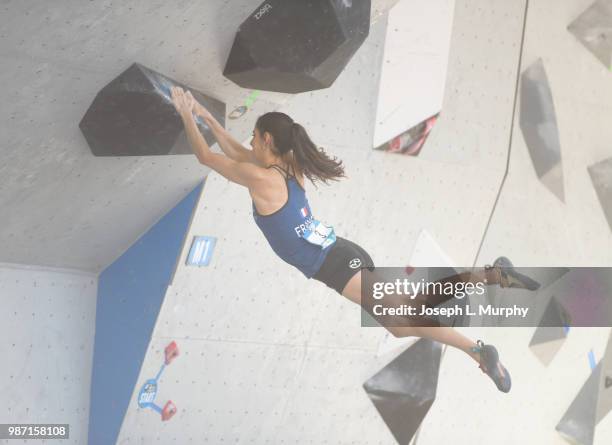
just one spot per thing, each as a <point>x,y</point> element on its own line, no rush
<point>344,259</point>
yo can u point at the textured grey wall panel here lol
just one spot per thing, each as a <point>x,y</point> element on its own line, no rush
<point>47,344</point>
<point>62,205</point>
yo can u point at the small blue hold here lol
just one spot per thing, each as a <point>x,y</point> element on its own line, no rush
<point>592,360</point>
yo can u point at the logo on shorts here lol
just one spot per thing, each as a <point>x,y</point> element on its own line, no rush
<point>354,263</point>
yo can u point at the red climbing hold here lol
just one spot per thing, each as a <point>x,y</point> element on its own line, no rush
<point>171,352</point>
<point>168,411</point>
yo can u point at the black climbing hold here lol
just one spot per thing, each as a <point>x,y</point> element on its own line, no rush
<point>293,46</point>
<point>133,116</point>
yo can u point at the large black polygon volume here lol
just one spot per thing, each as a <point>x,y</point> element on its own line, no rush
<point>405,389</point>
<point>134,116</point>
<point>293,46</point>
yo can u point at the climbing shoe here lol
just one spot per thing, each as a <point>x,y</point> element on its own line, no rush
<point>509,277</point>
<point>491,366</point>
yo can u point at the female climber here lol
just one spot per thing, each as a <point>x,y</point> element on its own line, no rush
<point>282,156</point>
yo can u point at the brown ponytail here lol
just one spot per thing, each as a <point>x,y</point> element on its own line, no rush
<point>288,135</point>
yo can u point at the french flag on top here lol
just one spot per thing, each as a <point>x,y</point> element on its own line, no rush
<point>304,212</point>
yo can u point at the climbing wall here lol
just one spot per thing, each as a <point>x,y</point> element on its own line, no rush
<point>267,356</point>
<point>416,52</point>
<point>530,224</point>
<point>47,321</point>
<point>532,227</point>
<point>272,357</point>
<point>65,204</point>
<point>62,200</point>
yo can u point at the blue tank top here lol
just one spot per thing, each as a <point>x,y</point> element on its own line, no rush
<point>283,229</point>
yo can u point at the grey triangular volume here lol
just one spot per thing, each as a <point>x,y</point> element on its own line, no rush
<point>404,390</point>
<point>578,422</point>
<point>555,315</point>
<point>547,275</point>
<point>550,333</point>
<point>604,401</point>
<point>601,176</point>
<point>538,123</point>
<point>553,180</point>
<point>545,334</point>
<point>546,351</point>
<point>593,28</point>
